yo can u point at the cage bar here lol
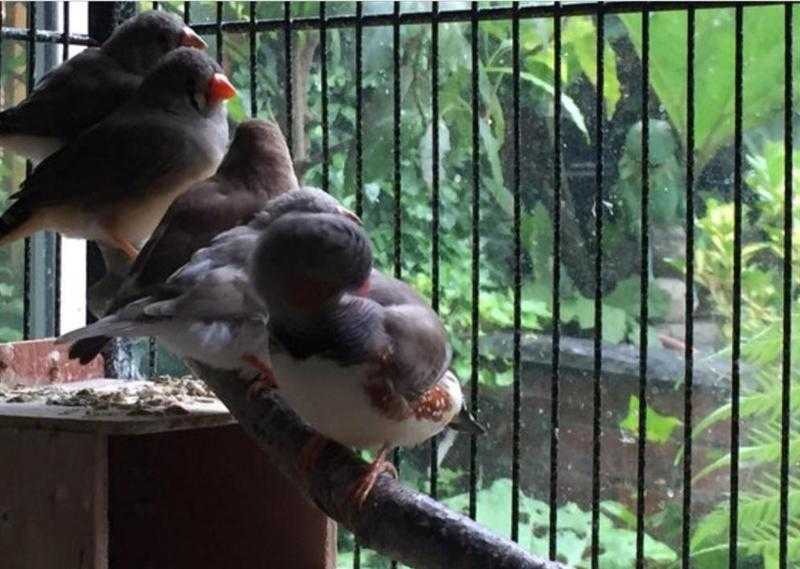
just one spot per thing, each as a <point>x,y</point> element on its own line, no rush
<point>688,354</point>
<point>323,57</point>
<point>434,463</point>
<point>476,258</point>
<point>517,364</point>
<point>556,336</point>
<point>598,287</point>
<point>253,63</point>
<point>287,54</point>
<point>643,291</point>
<point>788,228</point>
<point>733,542</point>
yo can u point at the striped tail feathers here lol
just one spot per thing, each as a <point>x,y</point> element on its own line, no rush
<point>14,222</point>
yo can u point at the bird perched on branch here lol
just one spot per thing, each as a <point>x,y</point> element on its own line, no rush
<point>88,87</point>
<point>360,356</point>
<point>207,311</point>
<point>114,182</point>
<point>256,168</point>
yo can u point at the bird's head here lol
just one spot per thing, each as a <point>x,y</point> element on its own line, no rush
<point>140,42</point>
<point>258,156</point>
<point>311,251</point>
<point>187,80</point>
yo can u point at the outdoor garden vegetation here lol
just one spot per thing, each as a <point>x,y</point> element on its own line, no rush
<point>763,211</point>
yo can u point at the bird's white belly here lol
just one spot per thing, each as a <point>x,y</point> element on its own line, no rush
<point>219,344</point>
<point>332,400</point>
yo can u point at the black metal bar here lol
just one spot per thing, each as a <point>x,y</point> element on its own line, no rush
<point>434,465</point>
<point>786,356</point>
<point>287,54</point>
<point>556,354</point>
<point>359,110</point>
<point>598,303</point>
<point>28,252</point>
<point>398,211</point>
<point>644,270</point>
<point>187,14</point>
<point>476,259</point>
<point>323,57</point>
<point>398,204</point>
<point>359,48</point>
<point>57,237</point>
<point>737,290</point>
<point>515,437</point>
<point>688,378</point>
<point>492,13</point>
<point>155,5</point>
<point>253,65</point>
<point>218,32</point>
<point>45,36</point>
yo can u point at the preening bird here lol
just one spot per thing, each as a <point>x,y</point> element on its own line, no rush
<point>256,168</point>
<point>360,356</point>
<point>88,87</point>
<point>114,182</point>
<point>206,310</point>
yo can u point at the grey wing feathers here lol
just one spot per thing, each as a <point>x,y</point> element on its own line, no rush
<point>420,349</point>
<point>214,283</point>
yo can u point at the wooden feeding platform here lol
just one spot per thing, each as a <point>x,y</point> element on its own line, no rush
<point>101,473</point>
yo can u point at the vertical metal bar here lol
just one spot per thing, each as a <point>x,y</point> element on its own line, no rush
<point>398,212</point>
<point>359,109</point>
<point>253,83</point>
<point>515,442</point>
<point>30,80</point>
<point>644,270</point>
<point>786,356</point>
<point>218,32</point>
<point>434,479</point>
<point>598,303</point>
<point>556,354</point>
<point>476,259</point>
<point>688,378</point>
<point>57,253</point>
<point>359,157</point>
<point>155,5</point>
<point>323,55</point>
<point>287,52</point>
<point>187,14</point>
<point>737,290</point>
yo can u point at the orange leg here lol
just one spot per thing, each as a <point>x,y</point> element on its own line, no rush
<point>364,485</point>
<point>123,244</point>
<point>310,453</point>
<point>266,379</point>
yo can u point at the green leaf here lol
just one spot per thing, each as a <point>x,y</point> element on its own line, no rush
<point>581,39</point>
<point>659,427</point>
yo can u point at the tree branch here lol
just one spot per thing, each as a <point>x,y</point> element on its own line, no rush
<point>396,521</point>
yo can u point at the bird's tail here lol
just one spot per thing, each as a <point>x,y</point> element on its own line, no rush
<point>465,422</point>
<point>87,349</point>
<point>88,341</point>
<point>15,223</point>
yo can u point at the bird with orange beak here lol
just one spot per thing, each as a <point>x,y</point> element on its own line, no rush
<point>88,87</point>
<point>114,182</point>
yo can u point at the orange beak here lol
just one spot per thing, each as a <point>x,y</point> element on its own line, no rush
<point>350,215</point>
<point>190,39</point>
<point>219,89</point>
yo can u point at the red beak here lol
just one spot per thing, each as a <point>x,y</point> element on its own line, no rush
<point>219,89</point>
<point>190,39</point>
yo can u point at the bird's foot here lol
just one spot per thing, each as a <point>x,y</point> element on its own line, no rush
<point>364,485</point>
<point>265,380</point>
<point>310,452</point>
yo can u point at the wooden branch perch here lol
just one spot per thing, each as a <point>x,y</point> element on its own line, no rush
<point>396,521</point>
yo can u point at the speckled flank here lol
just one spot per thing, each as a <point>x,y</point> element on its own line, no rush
<point>434,404</point>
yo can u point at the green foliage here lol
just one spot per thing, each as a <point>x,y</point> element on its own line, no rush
<point>659,427</point>
<point>617,528</point>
